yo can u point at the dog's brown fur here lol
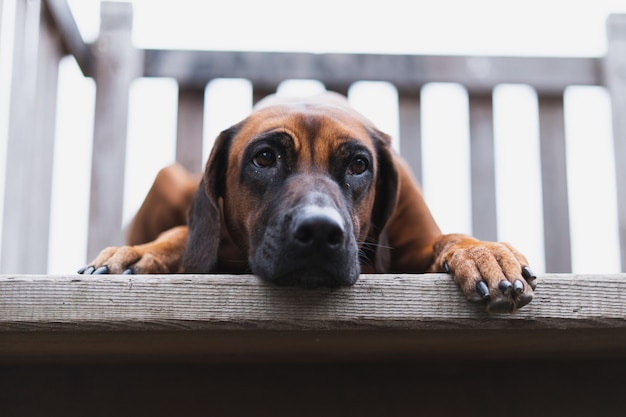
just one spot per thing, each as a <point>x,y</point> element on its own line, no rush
<point>243,211</point>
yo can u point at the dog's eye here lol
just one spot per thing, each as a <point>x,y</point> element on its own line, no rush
<point>358,166</point>
<point>265,158</point>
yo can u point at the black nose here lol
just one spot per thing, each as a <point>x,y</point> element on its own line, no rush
<point>318,229</point>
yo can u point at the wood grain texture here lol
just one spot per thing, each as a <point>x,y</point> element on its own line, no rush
<point>233,318</point>
<point>430,301</point>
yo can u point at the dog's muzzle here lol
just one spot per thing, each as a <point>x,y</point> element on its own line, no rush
<point>315,248</point>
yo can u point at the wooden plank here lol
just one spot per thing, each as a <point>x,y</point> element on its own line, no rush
<point>615,74</point>
<point>173,302</point>
<point>30,145</point>
<point>190,128</point>
<point>410,132</point>
<point>117,63</point>
<point>66,27</point>
<point>243,316</point>
<point>482,155</point>
<point>554,184</point>
<point>407,72</point>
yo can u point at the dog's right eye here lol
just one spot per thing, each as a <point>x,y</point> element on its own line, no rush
<point>264,159</point>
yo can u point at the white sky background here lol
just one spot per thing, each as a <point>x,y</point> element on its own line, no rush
<point>534,27</point>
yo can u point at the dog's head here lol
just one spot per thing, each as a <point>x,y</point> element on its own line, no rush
<point>303,188</point>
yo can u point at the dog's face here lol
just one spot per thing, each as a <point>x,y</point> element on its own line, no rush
<point>302,191</point>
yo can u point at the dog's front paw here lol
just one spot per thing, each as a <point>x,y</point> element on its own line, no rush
<point>491,273</point>
<point>124,260</point>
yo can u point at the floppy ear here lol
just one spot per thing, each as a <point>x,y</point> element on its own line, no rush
<point>385,201</point>
<point>205,219</point>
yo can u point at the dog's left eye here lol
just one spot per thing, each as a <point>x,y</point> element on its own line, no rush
<point>264,159</point>
<point>358,166</point>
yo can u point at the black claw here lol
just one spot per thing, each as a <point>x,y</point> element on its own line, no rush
<point>528,274</point>
<point>533,284</point>
<point>89,270</point>
<point>82,270</point>
<point>101,271</point>
<point>446,267</point>
<point>506,287</point>
<point>518,286</point>
<point>482,289</point>
<point>128,271</point>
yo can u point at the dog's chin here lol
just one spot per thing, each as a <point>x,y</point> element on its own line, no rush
<point>312,278</point>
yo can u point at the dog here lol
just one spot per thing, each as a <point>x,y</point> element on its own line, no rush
<point>308,193</point>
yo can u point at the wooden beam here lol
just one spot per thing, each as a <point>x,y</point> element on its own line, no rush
<point>428,301</point>
<point>189,129</point>
<point>71,38</point>
<point>407,72</point>
<point>117,63</point>
<point>411,132</point>
<point>482,155</point>
<point>554,184</point>
<point>615,74</point>
<point>30,146</point>
<point>242,315</point>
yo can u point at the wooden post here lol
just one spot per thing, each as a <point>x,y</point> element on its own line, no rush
<point>410,132</point>
<point>615,76</point>
<point>189,130</point>
<point>554,183</point>
<point>116,64</point>
<point>30,147</point>
<point>484,215</point>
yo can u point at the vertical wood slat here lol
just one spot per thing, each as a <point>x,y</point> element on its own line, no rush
<point>30,146</point>
<point>189,128</point>
<point>615,75</point>
<point>554,184</point>
<point>116,64</point>
<point>410,132</point>
<point>482,155</point>
<point>258,93</point>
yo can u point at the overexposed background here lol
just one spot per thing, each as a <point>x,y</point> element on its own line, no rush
<point>481,27</point>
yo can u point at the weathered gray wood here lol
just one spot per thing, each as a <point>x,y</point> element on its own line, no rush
<point>615,75</point>
<point>482,156</point>
<point>407,72</point>
<point>189,129</point>
<point>117,63</point>
<point>410,132</point>
<point>554,184</point>
<point>240,316</point>
<point>66,27</point>
<point>30,145</point>
<point>170,302</point>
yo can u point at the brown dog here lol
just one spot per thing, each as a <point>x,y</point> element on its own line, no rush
<point>308,193</point>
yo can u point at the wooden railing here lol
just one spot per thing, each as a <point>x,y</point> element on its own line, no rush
<point>45,32</point>
<point>394,344</point>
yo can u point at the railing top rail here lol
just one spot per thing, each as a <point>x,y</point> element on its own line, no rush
<point>479,74</point>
